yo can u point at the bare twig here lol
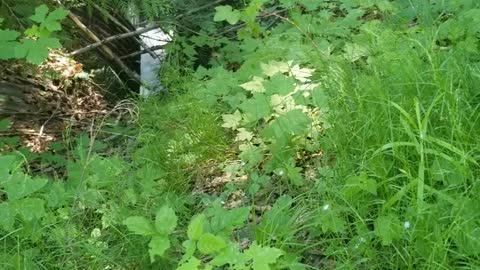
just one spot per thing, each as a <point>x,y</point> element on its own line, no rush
<point>154,48</point>
<point>126,29</point>
<point>113,38</point>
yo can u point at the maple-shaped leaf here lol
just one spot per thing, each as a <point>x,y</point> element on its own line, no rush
<point>273,67</point>
<point>256,108</point>
<point>40,14</point>
<point>232,120</point>
<point>226,13</point>
<point>254,86</point>
<point>283,104</point>
<point>292,123</point>
<point>251,154</point>
<point>244,135</point>
<point>262,257</point>
<point>301,74</point>
<point>8,42</point>
<point>279,84</point>
<point>52,22</point>
<point>36,51</point>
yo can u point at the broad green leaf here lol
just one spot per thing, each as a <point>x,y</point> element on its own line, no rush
<point>157,246</point>
<point>330,219</point>
<point>40,14</point>
<point>232,120</point>
<point>7,217</point>
<point>262,256</point>
<point>275,67</point>
<point>288,3</point>
<point>251,154</point>
<point>226,13</point>
<point>195,228</point>
<point>244,135</point>
<point>165,220</point>
<point>7,164</point>
<point>255,85</point>
<point>30,208</point>
<point>210,243</point>
<point>36,51</point>
<point>388,229</point>
<point>231,256</point>
<point>21,185</point>
<point>292,123</point>
<point>192,264</point>
<point>8,35</point>
<point>279,84</point>
<point>311,5</point>
<point>256,108</point>
<point>5,123</point>
<point>190,248</point>
<point>301,74</point>
<point>359,183</point>
<point>52,22</point>
<point>8,42</point>
<point>225,221</point>
<point>140,225</point>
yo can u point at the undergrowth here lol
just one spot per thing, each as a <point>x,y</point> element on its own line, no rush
<point>343,136</point>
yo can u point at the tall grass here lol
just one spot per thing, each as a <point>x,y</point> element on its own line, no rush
<point>407,116</point>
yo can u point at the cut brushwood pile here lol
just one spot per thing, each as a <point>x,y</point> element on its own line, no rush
<point>43,102</point>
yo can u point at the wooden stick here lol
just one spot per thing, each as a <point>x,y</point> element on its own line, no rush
<point>139,40</point>
<point>139,31</point>
<point>154,48</point>
<point>106,50</point>
<point>99,42</point>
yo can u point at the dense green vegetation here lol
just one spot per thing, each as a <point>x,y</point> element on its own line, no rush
<point>338,134</point>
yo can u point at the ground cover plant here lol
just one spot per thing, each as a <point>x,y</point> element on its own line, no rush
<point>335,134</point>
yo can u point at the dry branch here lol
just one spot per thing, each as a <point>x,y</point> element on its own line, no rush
<point>99,42</point>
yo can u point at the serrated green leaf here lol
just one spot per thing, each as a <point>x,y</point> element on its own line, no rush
<point>231,256</point>
<point>58,14</point>
<point>30,208</point>
<point>262,256</point>
<point>8,35</point>
<point>36,51</point>
<point>359,183</point>
<point>275,67</point>
<point>21,185</point>
<point>330,220</point>
<point>279,84</point>
<point>5,123</point>
<point>190,248</point>
<point>388,229</point>
<point>140,225</point>
<point>292,123</point>
<point>7,217</point>
<point>40,14</point>
<point>165,220</point>
<point>226,13</point>
<point>157,246</point>
<point>195,228</point>
<point>256,108</point>
<point>210,243</point>
<point>251,154</point>
<point>8,42</point>
<point>192,264</point>
<point>232,120</point>
<point>255,85</point>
